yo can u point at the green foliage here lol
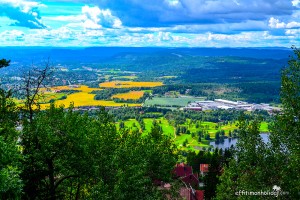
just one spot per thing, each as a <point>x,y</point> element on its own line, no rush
<point>247,169</point>
<point>69,155</point>
<point>141,160</point>
<point>4,63</point>
<point>10,155</point>
<point>67,145</point>
<point>286,128</point>
<point>257,166</point>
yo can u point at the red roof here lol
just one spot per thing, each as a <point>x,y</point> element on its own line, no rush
<point>187,194</point>
<point>200,194</point>
<point>191,179</point>
<point>183,170</point>
<point>204,168</point>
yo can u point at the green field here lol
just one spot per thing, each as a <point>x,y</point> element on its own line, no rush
<point>192,139</point>
<point>170,101</point>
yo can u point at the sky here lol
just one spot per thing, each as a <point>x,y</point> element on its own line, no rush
<point>143,23</point>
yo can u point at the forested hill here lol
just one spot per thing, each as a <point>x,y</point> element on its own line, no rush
<point>242,73</point>
<point>99,53</point>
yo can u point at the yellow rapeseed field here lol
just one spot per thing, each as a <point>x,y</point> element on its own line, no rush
<point>82,98</point>
<point>129,95</point>
<point>129,84</point>
<point>85,99</point>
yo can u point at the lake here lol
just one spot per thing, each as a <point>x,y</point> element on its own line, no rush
<point>232,141</point>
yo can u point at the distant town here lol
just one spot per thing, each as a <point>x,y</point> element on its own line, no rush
<point>226,105</point>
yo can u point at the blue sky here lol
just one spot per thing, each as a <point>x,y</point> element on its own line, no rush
<point>171,23</point>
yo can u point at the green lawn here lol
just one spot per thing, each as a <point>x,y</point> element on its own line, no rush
<point>264,127</point>
<point>179,140</point>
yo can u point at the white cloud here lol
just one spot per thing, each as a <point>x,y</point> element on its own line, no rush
<point>90,18</point>
<point>96,18</point>
<point>275,23</point>
<point>165,36</point>
<point>293,25</point>
<point>296,3</point>
<point>295,32</point>
<point>25,13</point>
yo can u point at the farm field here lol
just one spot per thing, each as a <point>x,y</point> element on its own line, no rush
<point>129,95</point>
<point>171,101</point>
<point>81,98</point>
<point>125,77</point>
<point>129,84</point>
<point>82,88</point>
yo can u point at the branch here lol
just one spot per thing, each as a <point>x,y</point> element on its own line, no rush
<point>62,179</point>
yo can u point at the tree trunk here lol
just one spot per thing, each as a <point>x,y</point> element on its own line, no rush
<point>51,179</point>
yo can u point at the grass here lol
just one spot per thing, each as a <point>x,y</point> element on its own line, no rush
<point>129,95</point>
<point>179,139</point>
<point>171,101</point>
<point>50,95</point>
<point>129,84</point>
<point>125,77</point>
<point>264,127</point>
<point>169,77</point>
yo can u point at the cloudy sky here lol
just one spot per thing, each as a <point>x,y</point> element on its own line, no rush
<point>172,23</point>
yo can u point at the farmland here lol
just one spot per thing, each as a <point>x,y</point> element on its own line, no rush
<point>129,84</point>
<point>80,99</point>
<point>170,101</point>
<point>129,95</point>
<point>82,88</point>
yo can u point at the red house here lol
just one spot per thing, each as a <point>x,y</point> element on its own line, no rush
<point>204,168</point>
<point>190,194</point>
<point>182,170</point>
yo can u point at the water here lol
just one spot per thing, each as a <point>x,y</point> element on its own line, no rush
<point>232,141</point>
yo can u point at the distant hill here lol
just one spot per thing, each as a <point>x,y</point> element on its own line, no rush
<point>94,54</point>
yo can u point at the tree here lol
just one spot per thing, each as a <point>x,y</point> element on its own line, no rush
<point>122,125</point>
<point>217,137</point>
<point>185,142</point>
<point>67,149</point>
<point>74,156</point>
<point>257,166</point>
<point>207,136</point>
<point>35,81</point>
<point>4,63</point>
<point>141,160</point>
<point>285,135</point>
<point>247,169</point>
<point>214,171</point>
<point>10,156</point>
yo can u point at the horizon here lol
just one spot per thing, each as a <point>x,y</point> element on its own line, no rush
<point>167,24</point>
